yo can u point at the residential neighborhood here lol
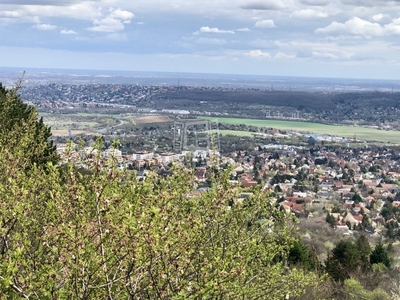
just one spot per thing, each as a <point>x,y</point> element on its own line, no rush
<point>353,189</point>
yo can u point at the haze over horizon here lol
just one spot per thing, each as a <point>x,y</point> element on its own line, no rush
<point>308,38</point>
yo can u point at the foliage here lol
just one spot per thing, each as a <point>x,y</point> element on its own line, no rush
<point>301,255</point>
<point>364,249</point>
<point>331,220</point>
<point>22,132</point>
<point>343,260</point>
<point>356,291</point>
<point>380,255</point>
<point>108,235</point>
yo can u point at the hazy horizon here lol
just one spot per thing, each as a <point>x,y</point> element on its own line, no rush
<point>34,76</point>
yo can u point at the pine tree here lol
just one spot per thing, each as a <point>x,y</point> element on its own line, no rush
<point>365,250</point>
<point>380,255</point>
<point>23,135</point>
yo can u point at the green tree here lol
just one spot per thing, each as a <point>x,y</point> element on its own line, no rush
<point>330,219</point>
<point>356,198</point>
<point>344,259</point>
<point>23,136</point>
<point>356,291</point>
<point>301,255</point>
<point>364,250</point>
<point>380,255</point>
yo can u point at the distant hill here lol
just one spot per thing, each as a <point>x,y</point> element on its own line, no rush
<point>367,99</point>
<point>295,99</point>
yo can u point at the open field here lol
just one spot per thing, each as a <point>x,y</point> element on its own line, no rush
<point>361,133</point>
<point>78,123</point>
<point>152,119</point>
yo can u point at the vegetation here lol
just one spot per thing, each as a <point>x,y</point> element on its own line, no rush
<point>22,133</point>
<point>249,96</point>
<point>364,133</point>
<point>105,234</point>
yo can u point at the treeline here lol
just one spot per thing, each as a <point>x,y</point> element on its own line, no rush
<point>352,270</point>
<point>295,99</point>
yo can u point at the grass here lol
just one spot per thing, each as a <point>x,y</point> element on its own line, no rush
<point>361,133</point>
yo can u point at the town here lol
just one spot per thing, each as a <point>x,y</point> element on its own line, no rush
<point>353,190</point>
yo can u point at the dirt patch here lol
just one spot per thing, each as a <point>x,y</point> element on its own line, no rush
<point>152,119</point>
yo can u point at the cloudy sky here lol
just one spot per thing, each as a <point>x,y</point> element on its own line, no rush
<point>319,38</point>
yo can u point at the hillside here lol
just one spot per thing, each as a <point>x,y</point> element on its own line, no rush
<point>295,99</point>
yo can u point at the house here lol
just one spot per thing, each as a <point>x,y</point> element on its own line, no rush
<point>111,153</point>
<point>169,157</point>
<point>342,228</point>
<point>352,219</point>
<point>142,155</point>
<point>299,194</point>
<point>200,174</point>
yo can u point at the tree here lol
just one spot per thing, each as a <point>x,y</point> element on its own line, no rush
<point>330,219</point>
<point>299,254</point>
<point>355,290</point>
<point>343,259</point>
<point>364,249</point>
<point>380,255</point>
<point>356,198</point>
<point>22,135</point>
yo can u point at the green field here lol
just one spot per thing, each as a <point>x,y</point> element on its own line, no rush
<point>368,134</point>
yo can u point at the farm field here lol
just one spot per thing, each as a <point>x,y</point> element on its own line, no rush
<point>78,123</point>
<point>368,134</point>
<point>152,119</point>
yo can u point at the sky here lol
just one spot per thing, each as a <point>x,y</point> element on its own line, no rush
<point>313,38</point>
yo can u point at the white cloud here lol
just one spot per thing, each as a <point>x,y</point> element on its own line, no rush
<point>357,26</point>
<point>86,10</point>
<point>65,31</point>
<point>309,13</point>
<point>10,14</point>
<point>258,53</point>
<point>114,22</point>
<point>354,26</point>
<point>392,28</point>
<point>46,27</point>
<point>377,17</point>
<point>323,55</point>
<point>265,24</point>
<point>210,41</point>
<point>281,55</point>
<point>243,29</point>
<point>121,14</point>
<point>370,3</point>
<point>206,29</point>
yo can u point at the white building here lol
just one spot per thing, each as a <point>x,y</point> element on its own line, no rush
<point>142,155</point>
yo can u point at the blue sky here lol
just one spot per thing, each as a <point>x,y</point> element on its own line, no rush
<point>319,38</point>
